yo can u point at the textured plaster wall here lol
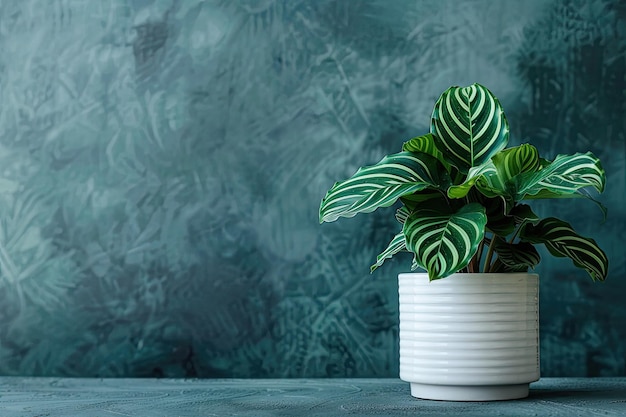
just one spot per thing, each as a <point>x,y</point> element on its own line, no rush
<point>162,163</point>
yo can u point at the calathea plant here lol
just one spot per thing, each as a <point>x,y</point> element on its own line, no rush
<point>462,190</point>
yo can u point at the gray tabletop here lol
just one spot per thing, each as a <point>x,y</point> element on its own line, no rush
<point>291,397</point>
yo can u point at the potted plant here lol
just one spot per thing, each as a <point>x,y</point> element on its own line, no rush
<point>475,334</point>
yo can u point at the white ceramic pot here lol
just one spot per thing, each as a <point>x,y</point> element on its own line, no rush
<point>469,337</point>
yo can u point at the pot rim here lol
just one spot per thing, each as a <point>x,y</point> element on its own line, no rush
<point>465,275</point>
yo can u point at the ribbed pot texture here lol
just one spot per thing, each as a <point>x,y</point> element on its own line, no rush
<point>469,337</point>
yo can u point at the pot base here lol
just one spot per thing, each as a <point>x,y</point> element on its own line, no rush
<point>469,392</point>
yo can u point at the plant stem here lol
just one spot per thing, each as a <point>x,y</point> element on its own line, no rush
<point>487,266</point>
<point>475,262</point>
<point>516,232</point>
<point>496,264</point>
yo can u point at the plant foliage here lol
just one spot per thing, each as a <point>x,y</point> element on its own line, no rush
<point>462,190</point>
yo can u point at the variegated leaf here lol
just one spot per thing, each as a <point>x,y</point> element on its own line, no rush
<point>486,171</point>
<point>581,193</point>
<point>396,245</point>
<point>380,185</point>
<point>562,241</point>
<point>517,256</point>
<point>500,268</point>
<point>517,160</point>
<point>490,185</point>
<point>495,174</point>
<point>522,213</point>
<point>413,200</point>
<point>402,214</point>
<point>564,176</point>
<point>469,126</point>
<point>425,144</point>
<point>443,243</point>
<point>414,265</point>
<point>498,219</point>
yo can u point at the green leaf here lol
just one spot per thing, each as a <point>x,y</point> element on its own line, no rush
<point>469,126</point>
<point>487,172</point>
<point>443,243</point>
<point>498,219</point>
<point>561,240</point>
<point>380,185</point>
<point>522,213</point>
<point>494,176</point>
<point>514,161</point>
<point>519,174</point>
<point>425,144</point>
<point>396,245</point>
<point>412,200</point>
<point>582,193</point>
<point>490,185</point>
<point>517,256</point>
<point>500,268</point>
<point>402,214</point>
<point>414,265</point>
<point>564,176</point>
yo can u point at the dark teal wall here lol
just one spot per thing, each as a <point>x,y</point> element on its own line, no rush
<point>162,163</point>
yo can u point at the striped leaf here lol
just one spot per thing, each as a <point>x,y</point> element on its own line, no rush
<point>494,176</point>
<point>413,200</point>
<point>425,144</point>
<point>469,126</point>
<point>517,160</point>
<point>562,241</point>
<point>581,193</point>
<point>500,268</point>
<point>414,265</point>
<point>487,172</point>
<point>402,214</point>
<point>522,213</point>
<point>564,176</point>
<point>498,219</point>
<point>444,243</point>
<point>490,185</point>
<point>396,245</point>
<point>380,185</point>
<point>517,256</point>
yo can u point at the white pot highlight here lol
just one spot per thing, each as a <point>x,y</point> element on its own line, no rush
<point>469,337</point>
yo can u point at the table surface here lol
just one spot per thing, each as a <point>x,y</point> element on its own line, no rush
<point>53,397</point>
